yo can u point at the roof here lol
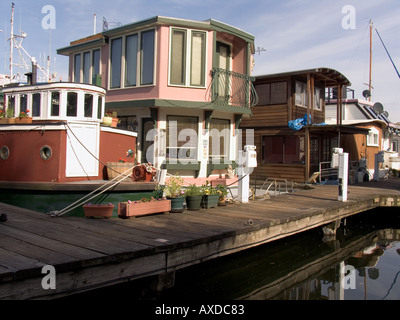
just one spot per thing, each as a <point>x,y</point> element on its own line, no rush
<point>331,77</point>
<point>101,38</point>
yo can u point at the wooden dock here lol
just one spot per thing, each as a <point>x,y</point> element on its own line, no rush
<point>91,253</point>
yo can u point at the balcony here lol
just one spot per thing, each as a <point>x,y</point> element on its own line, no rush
<point>232,89</point>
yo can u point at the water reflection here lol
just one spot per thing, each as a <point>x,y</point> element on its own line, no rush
<point>361,262</point>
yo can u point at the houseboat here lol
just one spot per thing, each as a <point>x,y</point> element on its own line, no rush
<point>54,142</point>
<point>184,84</point>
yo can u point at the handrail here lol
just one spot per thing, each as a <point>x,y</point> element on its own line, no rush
<point>274,182</point>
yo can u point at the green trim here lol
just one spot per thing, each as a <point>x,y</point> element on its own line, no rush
<point>182,166</point>
<point>219,166</point>
<point>161,103</point>
<point>82,46</point>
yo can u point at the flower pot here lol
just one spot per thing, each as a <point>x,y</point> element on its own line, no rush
<point>24,120</point>
<point>114,169</point>
<point>114,122</point>
<point>177,204</point>
<point>137,208</point>
<point>107,121</point>
<point>98,210</point>
<point>194,202</point>
<point>222,201</point>
<point>210,201</point>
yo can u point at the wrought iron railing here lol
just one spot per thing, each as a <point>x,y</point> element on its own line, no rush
<point>232,88</point>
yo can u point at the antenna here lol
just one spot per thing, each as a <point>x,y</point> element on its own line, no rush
<point>260,49</point>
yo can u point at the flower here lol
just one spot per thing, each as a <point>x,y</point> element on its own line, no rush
<point>2,114</point>
<point>23,114</point>
<point>173,187</point>
<point>122,160</point>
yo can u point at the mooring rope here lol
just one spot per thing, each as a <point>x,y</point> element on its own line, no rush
<point>84,198</point>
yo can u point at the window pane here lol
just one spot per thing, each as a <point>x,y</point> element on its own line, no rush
<point>219,138</point>
<point>72,104</point>
<point>88,105</point>
<point>96,61</point>
<point>116,56</point>
<point>11,106</point>
<point>99,107</point>
<point>273,149</point>
<point>198,59</point>
<point>55,104</point>
<point>77,68</point>
<point>178,57</point>
<point>36,105</point>
<point>23,103</point>
<point>278,93</point>
<point>182,133</point>
<point>131,60</point>
<point>147,57</point>
<point>86,67</point>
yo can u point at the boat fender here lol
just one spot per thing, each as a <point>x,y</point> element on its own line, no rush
<point>3,217</point>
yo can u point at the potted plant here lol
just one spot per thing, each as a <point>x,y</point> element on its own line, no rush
<point>143,207</point>
<point>3,118</point>
<point>222,191</point>
<point>110,119</point>
<point>98,210</point>
<point>210,197</point>
<point>173,191</point>
<point>194,196</point>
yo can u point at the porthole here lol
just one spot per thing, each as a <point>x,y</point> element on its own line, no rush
<point>46,152</point>
<point>4,152</point>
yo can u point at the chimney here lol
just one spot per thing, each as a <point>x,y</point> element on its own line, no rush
<point>34,71</point>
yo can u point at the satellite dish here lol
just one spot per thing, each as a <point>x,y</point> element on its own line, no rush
<point>378,108</point>
<point>366,94</point>
<point>386,114</point>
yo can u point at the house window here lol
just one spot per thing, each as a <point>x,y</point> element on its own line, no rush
<point>272,93</point>
<point>116,59</point>
<point>373,138</point>
<point>318,99</point>
<point>395,146</point>
<point>301,94</point>
<point>86,66</point>
<point>182,135</point>
<point>134,55</point>
<point>219,138</point>
<point>187,58</point>
<point>283,150</point>
<point>131,50</point>
<point>77,68</point>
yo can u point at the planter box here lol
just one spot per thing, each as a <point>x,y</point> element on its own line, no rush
<point>132,209</point>
<point>210,201</point>
<point>114,169</point>
<point>3,120</point>
<point>23,120</point>
<point>98,210</point>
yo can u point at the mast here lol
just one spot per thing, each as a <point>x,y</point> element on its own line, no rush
<point>12,40</point>
<point>370,59</point>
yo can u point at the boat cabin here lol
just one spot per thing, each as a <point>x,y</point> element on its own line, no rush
<point>52,133</point>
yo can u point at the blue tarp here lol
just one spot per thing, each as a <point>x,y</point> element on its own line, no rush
<point>298,124</point>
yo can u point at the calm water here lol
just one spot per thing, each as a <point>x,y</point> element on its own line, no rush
<point>302,267</point>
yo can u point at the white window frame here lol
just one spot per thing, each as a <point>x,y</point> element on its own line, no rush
<point>188,57</point>
<point>373,138</point>
<point>301,98</point>
<point>138,61</point>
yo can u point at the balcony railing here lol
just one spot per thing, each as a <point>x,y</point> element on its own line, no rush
<point>232,89</point>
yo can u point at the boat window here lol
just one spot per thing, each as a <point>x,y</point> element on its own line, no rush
<point>55,104</point>
<point>23,103</point>
<point>99,107</point>
<point>36,99</point>
<point>46,152</point>
<point>4,152</point>
<point>88,105</point>
<point>11,107</point>
<point>72,104</point>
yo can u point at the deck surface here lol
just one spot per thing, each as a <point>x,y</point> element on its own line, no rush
<point>89,253</point>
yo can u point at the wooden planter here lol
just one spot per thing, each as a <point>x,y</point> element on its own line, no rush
<point>210,201</point>
<point>3,120</point>
<point>24,120</point>
<point>114,169</point>
<point>98,210</point>
<point>134,209</point>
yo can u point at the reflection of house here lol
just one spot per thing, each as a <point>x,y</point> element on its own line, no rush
<point>184,78</point>
<point>382,135</point>
<point>283,152</point>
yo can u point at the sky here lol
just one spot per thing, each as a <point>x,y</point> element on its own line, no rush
<point>291,34</point>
